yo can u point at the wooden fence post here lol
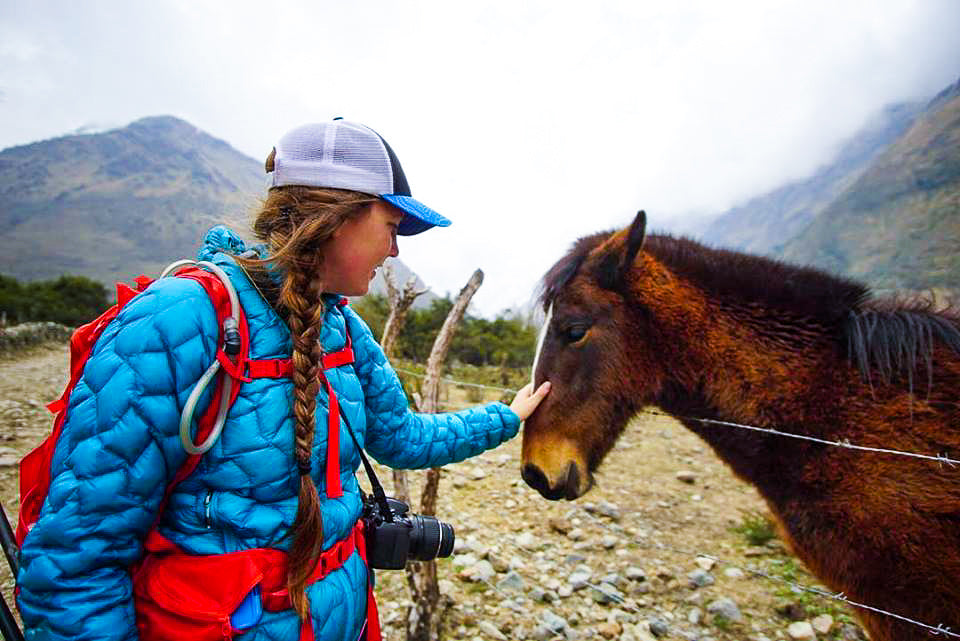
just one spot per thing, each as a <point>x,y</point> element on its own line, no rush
<point>425,618</point>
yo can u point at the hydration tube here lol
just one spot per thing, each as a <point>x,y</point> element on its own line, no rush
<point>231,347</point>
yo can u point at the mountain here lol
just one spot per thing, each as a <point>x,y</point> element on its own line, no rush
<point>115,204</point>
<point>764,223</point>
<point>897,226</point>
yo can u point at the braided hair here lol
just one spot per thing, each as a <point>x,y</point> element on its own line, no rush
<point>296,223</point>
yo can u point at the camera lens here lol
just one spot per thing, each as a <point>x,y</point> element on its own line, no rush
<point>430,538</point>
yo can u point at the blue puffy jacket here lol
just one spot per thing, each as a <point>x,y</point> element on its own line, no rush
<point>120,448</point>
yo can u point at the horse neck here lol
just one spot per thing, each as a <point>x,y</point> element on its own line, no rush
<point>740,368</point>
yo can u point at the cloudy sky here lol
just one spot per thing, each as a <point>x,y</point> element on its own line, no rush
<point>529,124</point>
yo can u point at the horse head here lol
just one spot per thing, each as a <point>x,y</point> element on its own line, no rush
<point>592,350</point>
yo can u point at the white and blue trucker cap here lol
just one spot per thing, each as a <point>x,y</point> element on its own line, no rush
<point>347,155</point>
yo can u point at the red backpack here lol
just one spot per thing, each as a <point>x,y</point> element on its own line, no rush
<point>35,466</point>
<point>201,578</point>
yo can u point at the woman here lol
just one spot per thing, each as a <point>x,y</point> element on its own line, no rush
<point>266,529</point>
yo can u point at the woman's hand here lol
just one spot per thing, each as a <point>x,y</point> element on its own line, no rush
<point>527,400</point>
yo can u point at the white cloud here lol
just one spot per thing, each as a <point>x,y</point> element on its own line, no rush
<point>528,124</point>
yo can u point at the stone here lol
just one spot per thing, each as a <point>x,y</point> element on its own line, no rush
<point>609,630</point>
<point>634,573</point>
<point>605,593</point>
<point>560,525</point>
<point>801,630</point>
<point>477,473</point>
<point>686,476</point>
<point>733,573</point>
<point>511,582</point>
<point>480,571</point>
<point>700,578</point>
<point>499,564</point>
<point>576,534</point>
<point>609,510</point>
<point>609,542</point>
<point>579,579</point>
<point>553,624</point>
<point>528,541</point>
<point>641,631</point>
<point>465,560</point>
<point>725,607</point>
<point>706,562</point>
<point>491,631</point>
<point>822,624</point>
<point>658,627</point>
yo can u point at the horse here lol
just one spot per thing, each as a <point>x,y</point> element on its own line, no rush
<point>711,335</point>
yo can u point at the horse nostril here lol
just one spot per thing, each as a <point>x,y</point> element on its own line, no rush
<point>572,486</point>
<point>535,478</point>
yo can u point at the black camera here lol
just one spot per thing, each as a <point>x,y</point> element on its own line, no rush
<point>395,538</point>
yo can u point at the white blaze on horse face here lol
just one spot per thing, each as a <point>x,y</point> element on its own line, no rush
<point>543,335</point>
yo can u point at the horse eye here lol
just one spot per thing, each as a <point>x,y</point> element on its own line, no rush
<point>575,333</point>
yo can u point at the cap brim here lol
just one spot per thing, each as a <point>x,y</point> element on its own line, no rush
<point>419,218</point>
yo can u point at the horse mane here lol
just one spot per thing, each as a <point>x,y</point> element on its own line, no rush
<point>882,336</point>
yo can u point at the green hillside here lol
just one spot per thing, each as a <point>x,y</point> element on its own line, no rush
<point>898,225</point>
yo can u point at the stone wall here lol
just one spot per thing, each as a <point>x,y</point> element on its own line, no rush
<point>20,337</point>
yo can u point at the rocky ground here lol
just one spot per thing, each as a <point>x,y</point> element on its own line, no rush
<point>658,549</point>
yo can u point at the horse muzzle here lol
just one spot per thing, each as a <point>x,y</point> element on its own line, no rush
<point>570,484</point>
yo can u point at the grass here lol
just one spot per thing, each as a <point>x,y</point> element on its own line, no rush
<point>756,527</point>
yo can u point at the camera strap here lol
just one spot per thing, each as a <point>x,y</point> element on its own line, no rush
<point>378,494</point>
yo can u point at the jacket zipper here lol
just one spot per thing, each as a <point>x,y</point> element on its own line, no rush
<point>206,509</point>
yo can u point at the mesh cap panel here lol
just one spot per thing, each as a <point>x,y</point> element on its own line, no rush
<point>346,155</point>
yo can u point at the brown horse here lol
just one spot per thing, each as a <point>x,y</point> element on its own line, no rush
<point>712,334</point>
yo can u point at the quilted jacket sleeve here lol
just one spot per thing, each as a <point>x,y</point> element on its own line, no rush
<point>402,439</point>
<point>118,450</point>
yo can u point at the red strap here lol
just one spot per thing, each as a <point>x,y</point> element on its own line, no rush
<point>336,359</point>
<point>270,368</point>
<point>334,491</point>
<point>373,615</point>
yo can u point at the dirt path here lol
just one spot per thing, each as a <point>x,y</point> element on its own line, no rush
<point>640,516</point>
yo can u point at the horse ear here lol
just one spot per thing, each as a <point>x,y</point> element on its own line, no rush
<point>616,266</point>
<point>635,238</point>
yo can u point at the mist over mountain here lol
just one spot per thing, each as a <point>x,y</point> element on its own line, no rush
<point>898,225</point>
<point>885,211</point>
<point>764,223</point>
<point>113,204</point>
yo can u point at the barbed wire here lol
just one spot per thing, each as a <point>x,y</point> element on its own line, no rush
<point>941,459</point>
<point>836,596</point>
<point>456,382</point>
<point>643,543</point>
